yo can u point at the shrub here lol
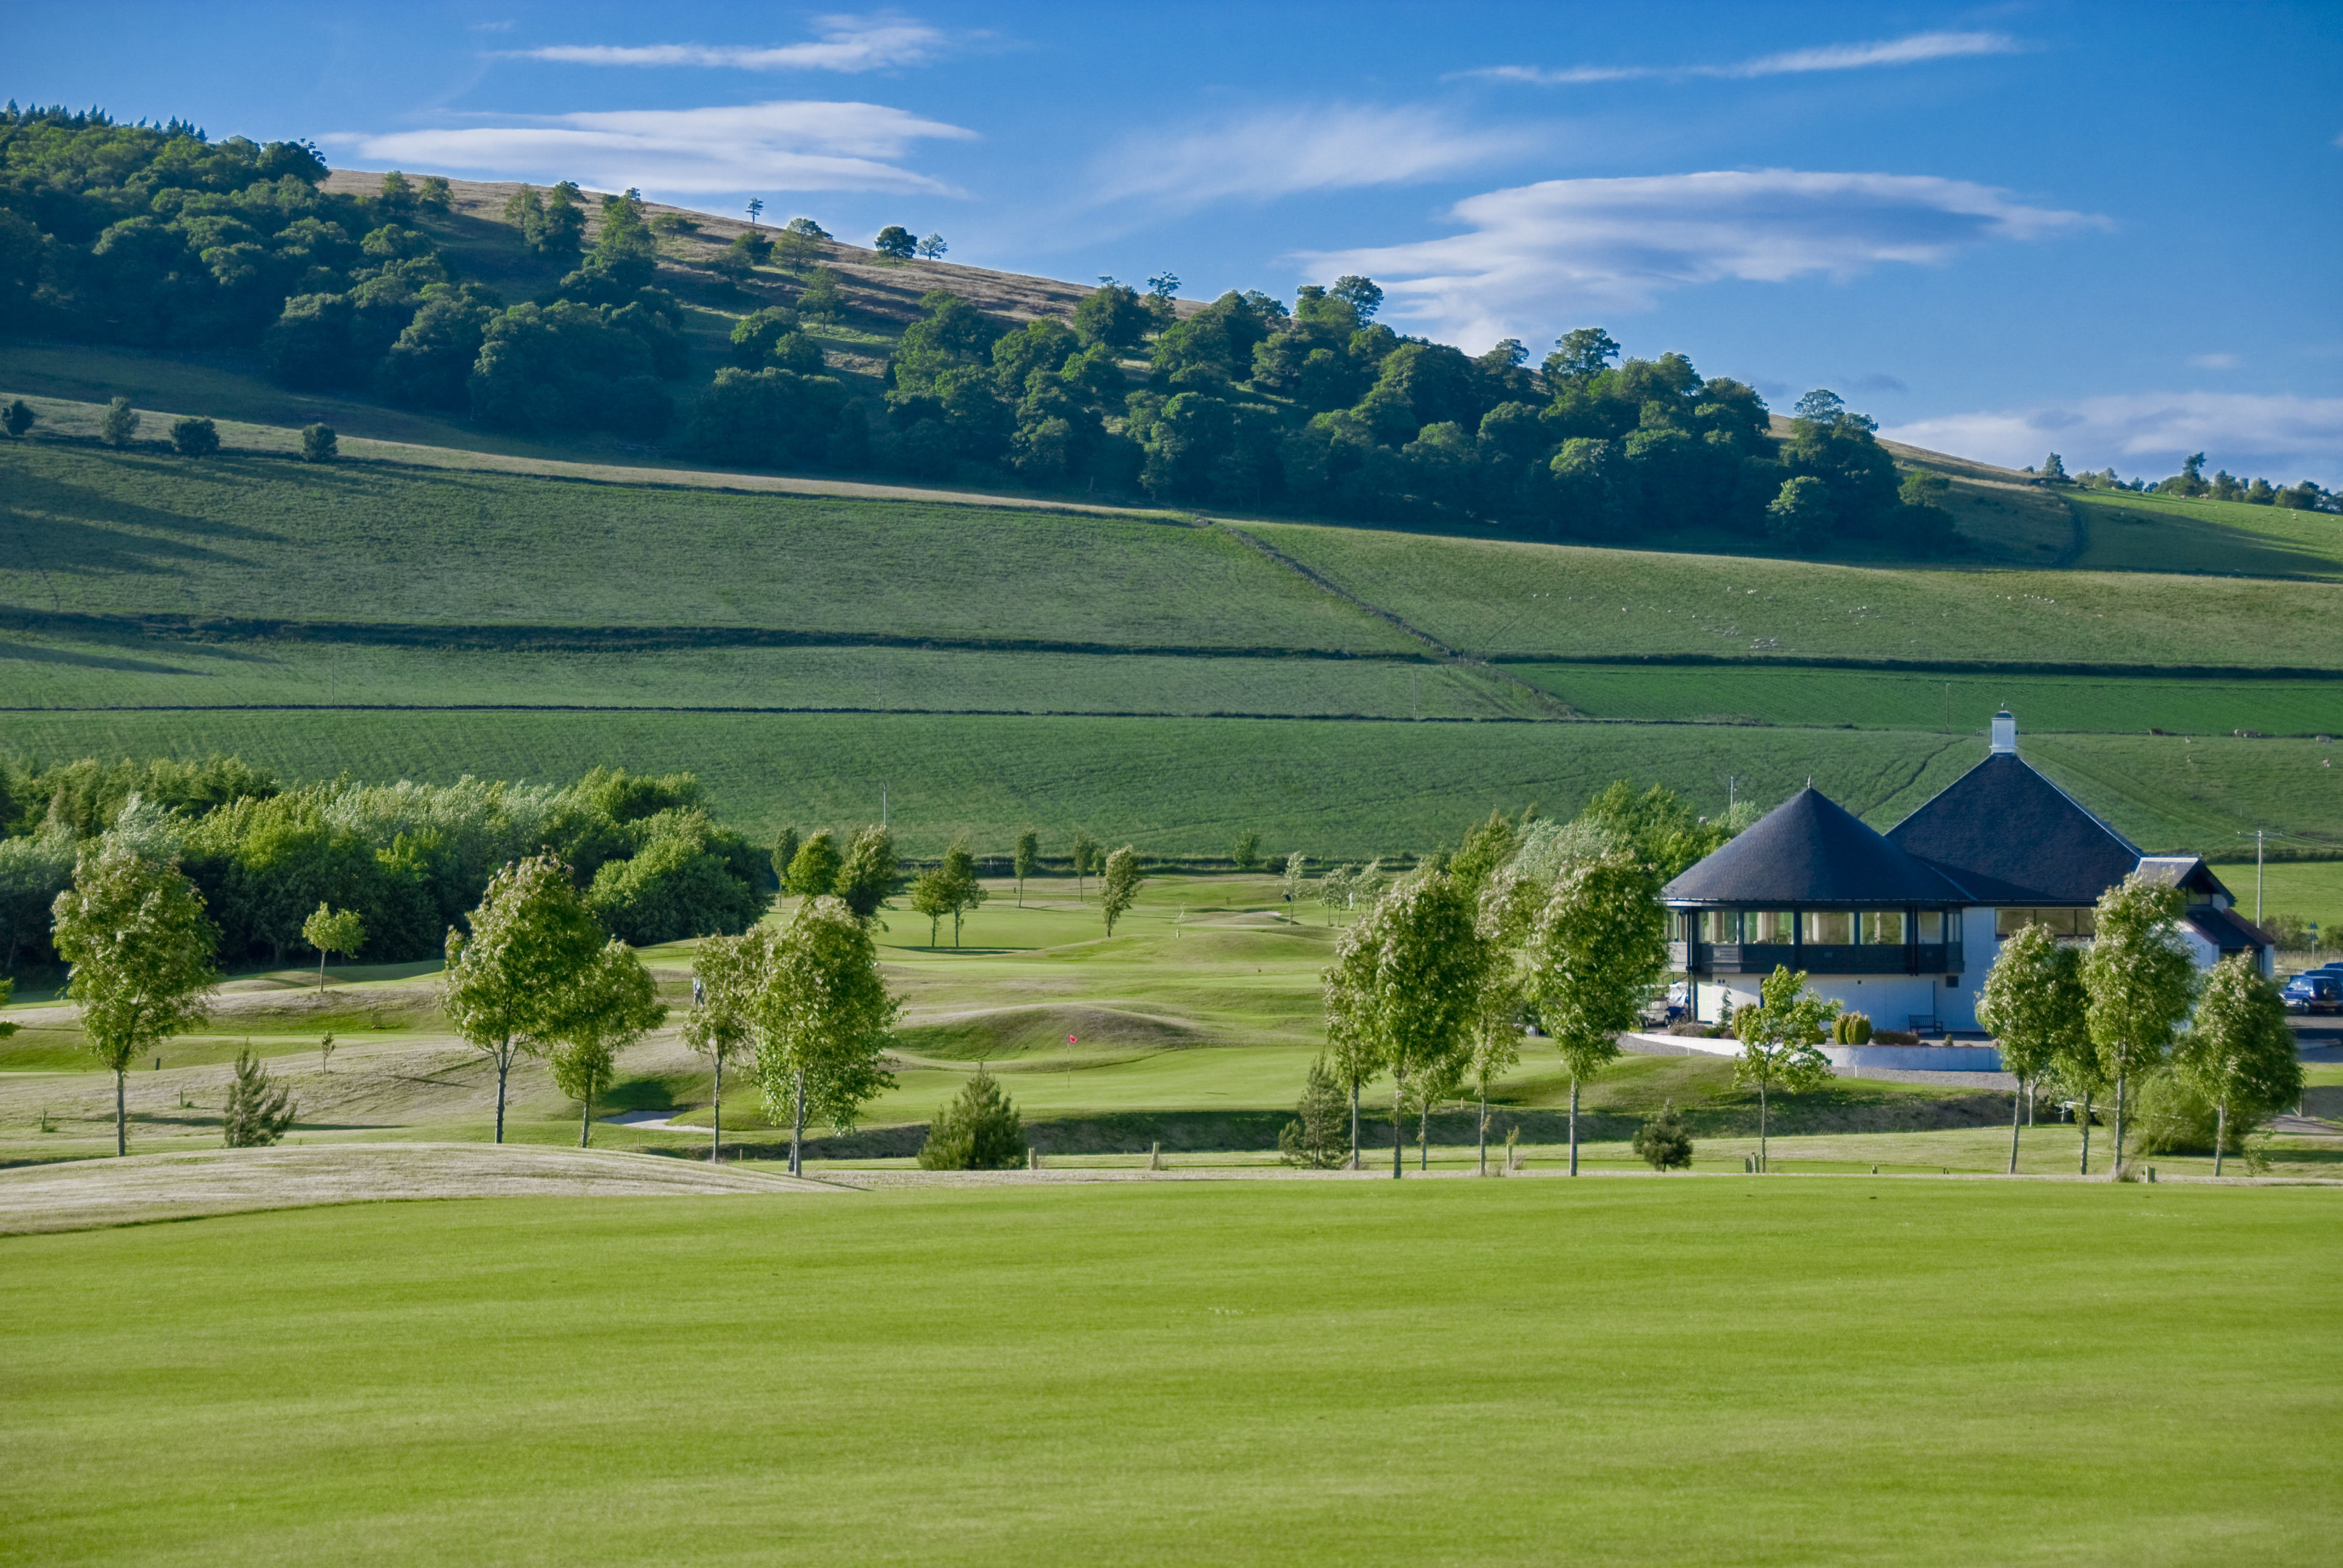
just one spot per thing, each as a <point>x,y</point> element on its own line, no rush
<point>980,1131</point>
<point>1852,1029</point>
<point>1661,1141</point>
<point>118,424</point>
<point>17,417</point>
<point>1319,1139</point>
<point>1893,1037</point>
<point>193,437</point>
<point>2172,1117</point>
<point>318,444</point>
<point>1247,854</point>
<point>258,1111</point>
<point>2290,932</point>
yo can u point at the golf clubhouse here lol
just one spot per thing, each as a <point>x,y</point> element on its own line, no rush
<point>1904,925</point>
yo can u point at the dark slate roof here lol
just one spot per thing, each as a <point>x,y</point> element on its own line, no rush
<point>2009,836</point>
<point>2226,929</point>
<point>1810,851</point>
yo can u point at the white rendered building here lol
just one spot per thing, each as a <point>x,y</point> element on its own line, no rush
<point>1904,925</point>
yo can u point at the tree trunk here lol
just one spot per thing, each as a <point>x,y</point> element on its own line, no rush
<point>2220,1133</point>
<point>2084,1168</point>
<point>1761,1125</point>
<point>1399,1108</point>
<point>121,1120</point>
<point>1573,1125</point>
<point>504,1066</point>
<point>2016,1106</point>
<point>1424,1136</point>
<point>585,1122</point>
<point>796,1129</point>
<point>321,971</point>
<point>2114,1171</point>
<point>1484,1130</point>
<point>716,1143</point>
<point>1355,1124</point>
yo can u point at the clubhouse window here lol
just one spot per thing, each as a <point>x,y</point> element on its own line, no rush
<point>1720,925</point>
<point>2007,923</point>
<point>1882,927</point>
<point>1769,927</point>
<point>1829,928</point>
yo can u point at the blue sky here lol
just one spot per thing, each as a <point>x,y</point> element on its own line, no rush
<point>2112,230</point>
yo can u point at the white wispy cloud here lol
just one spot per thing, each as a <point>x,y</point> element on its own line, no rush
<point>1911,50</point>
<point>773,146</point>
<point>2214,361</point>
<point>1337,147</point>
<point>1534,253</point>
<point>841,43</point>
<point>2286,436</point>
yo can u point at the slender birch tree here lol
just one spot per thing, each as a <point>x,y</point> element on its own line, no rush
<point>2141,984</point>
<point>1119,885</point>
<point>2033,1001</point>
<point>1404,983</point>
<point>1594,952</point>
<point>2240,1054</point>
<point>610,1006</point>
<point>724,972</point>
<point>823,1018</point>
<point>134,931</point>
<point>1778,1037</point>
<point>509,982</point>
<point>1027,860</point>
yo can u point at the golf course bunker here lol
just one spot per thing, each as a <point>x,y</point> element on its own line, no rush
<point>79,1194</point>
<point>1002,1033</point>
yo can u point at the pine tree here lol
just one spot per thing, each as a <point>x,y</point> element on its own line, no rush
<point>1661,1141</point>
<point>980,1131</point>
<point>1319,1137</point>
<point>258,1111</point>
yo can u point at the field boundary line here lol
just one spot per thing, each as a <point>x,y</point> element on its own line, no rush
<point>1544,699</point>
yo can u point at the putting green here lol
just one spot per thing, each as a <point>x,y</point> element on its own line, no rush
<point>1789,1371</point>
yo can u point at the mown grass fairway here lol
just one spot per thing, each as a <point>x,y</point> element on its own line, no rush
<point>1706,1371</point>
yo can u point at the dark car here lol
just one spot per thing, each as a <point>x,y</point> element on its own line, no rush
<point>2317,991</point>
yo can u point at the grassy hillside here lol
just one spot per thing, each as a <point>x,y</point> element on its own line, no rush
<point>2184,534</point>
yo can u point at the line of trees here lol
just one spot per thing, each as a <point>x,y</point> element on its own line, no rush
<point>398,863</point>
<point>1534,923</point>
<point>2208,1055</point>
<point>2302,496</point>
<point>1319,407</point>
<point>159,237</point>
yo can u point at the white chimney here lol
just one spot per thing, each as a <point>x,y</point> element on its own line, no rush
<point>2005,732</point>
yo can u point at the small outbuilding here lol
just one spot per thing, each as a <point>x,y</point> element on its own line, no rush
<point>1904,925</point>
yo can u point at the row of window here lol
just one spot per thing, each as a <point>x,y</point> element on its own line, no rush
<point>1866,927</point>
<point>1821,927</point>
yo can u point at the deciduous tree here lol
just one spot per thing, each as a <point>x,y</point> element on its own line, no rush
<point>1778,1037</point>
<point>17,417</point>
<point>1246,853</point>
<point>510,980</point>
<point>2240,1053</point>
<point>118,424</point>
<point>318,444</point>
<point>895,242</point>
<point>823,1018</point>
<point>609,1007</point>
<point>785,849</point>
<point>866,876</point>
<point>1595,952</point>
<point>1402,991</point>
<point>1085,852</point>
<point>1027,859</point>
<point>724,972</point>
<point>2033,1001</point>
<point>1119,885</point>
<point>814,870</point>
<point>1294,882</point>
<point>962,888</point>
<point>135,932</point>
<point>2141,984</point>
<point>192,437</point>
<point>332,932</point>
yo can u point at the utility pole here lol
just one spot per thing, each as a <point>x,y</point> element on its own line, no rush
<point>2257,835</point>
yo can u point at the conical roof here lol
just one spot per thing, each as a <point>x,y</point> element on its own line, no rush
<point>1810,851</point>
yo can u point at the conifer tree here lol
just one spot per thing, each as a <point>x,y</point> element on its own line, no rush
<point>258,1109</point>
<point>979,1131</point>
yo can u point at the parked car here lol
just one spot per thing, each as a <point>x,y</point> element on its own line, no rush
<point>2317,992</point>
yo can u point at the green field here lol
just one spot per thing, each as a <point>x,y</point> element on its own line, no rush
<point>1493,597</point>
<point>1953,704</point>
<point>1789,1371</point>
<point>2184,534</point>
